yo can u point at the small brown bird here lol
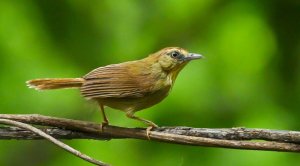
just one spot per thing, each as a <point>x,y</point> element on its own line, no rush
<point>129,86</point>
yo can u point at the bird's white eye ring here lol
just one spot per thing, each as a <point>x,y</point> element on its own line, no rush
<point>175,54</point>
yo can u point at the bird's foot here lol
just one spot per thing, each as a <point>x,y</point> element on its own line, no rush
<point>148,130</point>
<point>102,125</point>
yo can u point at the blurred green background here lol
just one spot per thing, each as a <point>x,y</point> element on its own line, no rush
<point>250,77</point>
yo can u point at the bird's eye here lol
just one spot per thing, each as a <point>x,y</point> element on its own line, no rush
<point>175,54</point>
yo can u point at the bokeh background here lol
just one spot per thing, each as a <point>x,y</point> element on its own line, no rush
<point>250,77</point>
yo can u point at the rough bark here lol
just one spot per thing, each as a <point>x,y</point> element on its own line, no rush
<point>237,138</point>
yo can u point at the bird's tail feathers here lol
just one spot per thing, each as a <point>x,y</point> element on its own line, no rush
<point>55,83</point>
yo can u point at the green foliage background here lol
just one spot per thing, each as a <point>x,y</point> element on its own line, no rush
<point>250,77</point>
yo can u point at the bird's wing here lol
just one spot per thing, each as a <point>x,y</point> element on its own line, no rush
<point>116,81</point>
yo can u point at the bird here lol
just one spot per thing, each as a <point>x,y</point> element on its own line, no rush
<point>129,86</point>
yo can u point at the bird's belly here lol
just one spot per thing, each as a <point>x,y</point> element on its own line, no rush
<point>135,104</point>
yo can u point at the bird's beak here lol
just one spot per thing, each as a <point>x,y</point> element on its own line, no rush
<point>192,56</point>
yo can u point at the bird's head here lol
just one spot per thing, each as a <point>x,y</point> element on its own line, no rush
<point>173,59</point>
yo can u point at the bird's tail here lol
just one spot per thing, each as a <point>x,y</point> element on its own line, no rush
<point>55,83</point>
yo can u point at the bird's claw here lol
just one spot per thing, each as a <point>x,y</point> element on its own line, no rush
<point>148,130</point>
<point>102,125</point>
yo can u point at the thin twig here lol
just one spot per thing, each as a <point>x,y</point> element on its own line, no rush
<point>53,140</point>
<point>287,141</point>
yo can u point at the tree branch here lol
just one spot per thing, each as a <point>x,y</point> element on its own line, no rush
<point>53,140</point>
<point>236,138</point>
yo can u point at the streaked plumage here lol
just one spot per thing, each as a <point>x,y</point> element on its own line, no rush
<point>129,86</point>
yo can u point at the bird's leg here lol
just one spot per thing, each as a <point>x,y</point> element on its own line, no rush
<point>105,120</point>
<point>151,125</point>
<point>130,114</point>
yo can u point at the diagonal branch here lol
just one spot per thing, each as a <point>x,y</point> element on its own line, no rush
<point>53,140</point>
<point>236,138</point>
